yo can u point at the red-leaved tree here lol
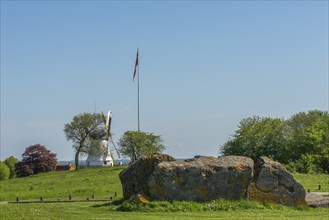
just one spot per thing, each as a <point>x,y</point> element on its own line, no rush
<point>36,159</point>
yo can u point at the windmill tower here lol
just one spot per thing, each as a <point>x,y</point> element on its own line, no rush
<point>104,136</point>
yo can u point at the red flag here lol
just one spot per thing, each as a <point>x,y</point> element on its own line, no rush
<point>136,64</point>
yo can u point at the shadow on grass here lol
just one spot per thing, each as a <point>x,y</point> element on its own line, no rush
<point>114,203</point>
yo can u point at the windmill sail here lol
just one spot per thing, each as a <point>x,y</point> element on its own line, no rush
<point>115,147</point>
<point>104,136</point>
<point>108,129</point>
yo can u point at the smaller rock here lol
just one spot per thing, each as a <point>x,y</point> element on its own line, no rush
<point>273,183</point>
<point>317,201</point>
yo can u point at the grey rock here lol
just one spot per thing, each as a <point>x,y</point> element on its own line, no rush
<point>273,183</point>
<point>317,201</point>
<point>134,178</point>
<point>201,179</point>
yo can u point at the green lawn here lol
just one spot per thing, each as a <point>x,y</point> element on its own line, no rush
<point>312,181</point>
<point>100,211</point>
<point>104,182</point>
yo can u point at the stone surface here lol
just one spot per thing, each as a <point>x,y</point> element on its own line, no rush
<point>273,183</point>
<point>317,201</point>
<point>134,178</point>
<point>201,179</point>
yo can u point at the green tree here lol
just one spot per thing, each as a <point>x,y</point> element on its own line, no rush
<point>301,142</point>
<point>257,137</point>
<point>79,131</point>
<point>305,164</point>
<point>11,162</point>
<point>317,136</point>
<point>134,144</point>
<point>307,136</point>
<point>4,171</point>
<point>295,131</point>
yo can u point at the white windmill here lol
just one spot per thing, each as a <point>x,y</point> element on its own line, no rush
<point>104,135</point>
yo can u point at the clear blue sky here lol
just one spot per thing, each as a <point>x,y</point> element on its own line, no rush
<point>204,67</point>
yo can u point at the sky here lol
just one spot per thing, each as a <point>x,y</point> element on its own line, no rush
<point>204,66</point>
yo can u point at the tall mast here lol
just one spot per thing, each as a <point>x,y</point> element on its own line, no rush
<point>138,93</point>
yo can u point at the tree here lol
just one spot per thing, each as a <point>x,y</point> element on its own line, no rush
<point>11,162</point>
<point>136,143</point>
<point>317,135</point>
<point>23,169</point>
<point>307,138</point>
<point>301,142</point>
<point>296,133</point>
<point>36,159</point>
<point>79,131</point>
<point>4,171</point>
<point>257,137</point>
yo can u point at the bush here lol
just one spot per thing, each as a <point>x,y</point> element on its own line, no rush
<point>11,163</point>
<point>190,206</point>
<point>291,167</point>
<point>4,171</point>
<point>305,164</point>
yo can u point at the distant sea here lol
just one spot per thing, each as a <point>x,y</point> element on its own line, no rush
<point>83,162</point>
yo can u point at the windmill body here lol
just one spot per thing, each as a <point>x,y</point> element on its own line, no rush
<point>104,136</point>
<point>101,160</point>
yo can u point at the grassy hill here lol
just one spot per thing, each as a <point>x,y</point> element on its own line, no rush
<point>104,182</point>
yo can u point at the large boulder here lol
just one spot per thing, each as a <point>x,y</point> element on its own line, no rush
<point>201,179</point>
<point>160,177</point>
<point>273,183</point>
<point>134,178</point>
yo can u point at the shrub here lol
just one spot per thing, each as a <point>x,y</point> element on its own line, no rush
<point>4,171</point>
<point>190,206</point>
<point>11,162</point>
<point>305,164</point>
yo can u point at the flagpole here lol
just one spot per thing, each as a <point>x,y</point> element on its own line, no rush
<point>138,93</point>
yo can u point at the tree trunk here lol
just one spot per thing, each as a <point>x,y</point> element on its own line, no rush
<point>76,159</point>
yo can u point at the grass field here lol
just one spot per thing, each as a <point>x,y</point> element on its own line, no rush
<point>92,211</point>
<point>312,181</point>
<point>104,182</point>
